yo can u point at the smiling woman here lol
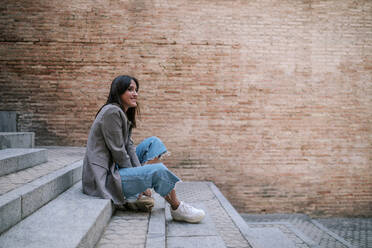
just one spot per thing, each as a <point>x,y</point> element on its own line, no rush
<point>129,98</point>
<point>115,169</point>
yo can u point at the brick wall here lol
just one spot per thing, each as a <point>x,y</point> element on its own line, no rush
<point>272,100</point>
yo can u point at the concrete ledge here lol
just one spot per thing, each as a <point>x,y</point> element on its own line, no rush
<point>17,140</point>
<point>16,159</point>
<point>20,203</point>
<point>71,220</point>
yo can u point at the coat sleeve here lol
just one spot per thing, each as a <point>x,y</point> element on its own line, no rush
<point>112,130</point>
<point>133,154</point>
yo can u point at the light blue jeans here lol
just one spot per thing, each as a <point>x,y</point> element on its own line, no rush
<point>136,180</point>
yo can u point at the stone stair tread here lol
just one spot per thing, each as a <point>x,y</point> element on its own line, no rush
<point>73,219</point>
<point>13,152</point>
<point>17,140</point>
<point>16,159</point>
<point>204,228</point>
<point>19,203</point>
<point>58,157</point>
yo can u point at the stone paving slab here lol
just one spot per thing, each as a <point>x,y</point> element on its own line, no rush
<point>58,157</point>
<point>357,231</point>
<point>289,234</point>
<point>228,223</point>
<point>125,230</point>
<point>271,238</point>
<point>204,228</point>
<point>181,234</point>
<point>16,159</point>
<point>305,232</point>
<point>195,242</point>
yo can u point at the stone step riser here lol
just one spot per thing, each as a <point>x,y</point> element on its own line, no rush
<point>16,159</point>
<point>71,220</point>
<point>20,203</point>
<point>17,140</point>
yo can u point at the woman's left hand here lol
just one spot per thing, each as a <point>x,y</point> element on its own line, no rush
<point>147,192</point>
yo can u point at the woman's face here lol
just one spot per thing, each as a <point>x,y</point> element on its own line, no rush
<point>129,97</point>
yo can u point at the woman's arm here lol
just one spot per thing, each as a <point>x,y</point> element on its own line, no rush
<point>112,130</point>
<point>132,153</point>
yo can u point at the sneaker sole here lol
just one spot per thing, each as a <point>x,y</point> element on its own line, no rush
<point>196,220</point>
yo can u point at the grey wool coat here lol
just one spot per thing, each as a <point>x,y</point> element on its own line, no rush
<point>109,143</point>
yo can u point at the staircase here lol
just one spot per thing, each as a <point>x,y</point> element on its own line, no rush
<point>41,201</point>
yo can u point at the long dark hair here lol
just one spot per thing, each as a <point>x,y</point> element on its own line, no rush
<point>118,86</point>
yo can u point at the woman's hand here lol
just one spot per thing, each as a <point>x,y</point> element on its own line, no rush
<point>147,192</point>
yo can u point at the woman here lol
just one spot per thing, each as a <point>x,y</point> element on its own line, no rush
<point>115,169</point>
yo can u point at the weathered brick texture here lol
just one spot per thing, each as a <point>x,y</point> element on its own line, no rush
<point>272,100</point>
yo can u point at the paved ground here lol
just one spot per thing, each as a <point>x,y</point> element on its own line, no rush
<point>125,230</point>
<point>194,192</point>
<point>327,233</point>
<point>357,231</point>
<point>129,229</point>
<point>58,157</point>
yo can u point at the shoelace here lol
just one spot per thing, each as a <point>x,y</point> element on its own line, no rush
<point>187,207</point>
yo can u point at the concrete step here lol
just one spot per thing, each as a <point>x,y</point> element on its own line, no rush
<point>73,219</point>
<point>203,234</point>
<point>16,159</point>
<point>19,203</point>
<point>17,140</point>
<point>58,157</point>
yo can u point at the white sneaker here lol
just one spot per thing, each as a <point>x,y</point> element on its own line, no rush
<point>187,213</point>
